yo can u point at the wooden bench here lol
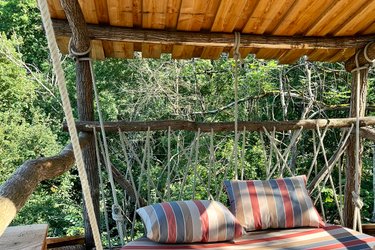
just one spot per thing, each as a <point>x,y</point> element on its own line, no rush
<point>31,237</point>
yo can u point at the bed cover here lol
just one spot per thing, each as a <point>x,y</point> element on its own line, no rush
<point>329,237</point>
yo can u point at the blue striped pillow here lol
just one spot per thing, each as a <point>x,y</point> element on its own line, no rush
<point>276,203</point>
<point>189,221</point>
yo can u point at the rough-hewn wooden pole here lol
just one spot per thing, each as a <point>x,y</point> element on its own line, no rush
<point>85,101</point>
<point>351,150</point>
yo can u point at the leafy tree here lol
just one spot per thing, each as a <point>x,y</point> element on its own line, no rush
<point>25,133</point>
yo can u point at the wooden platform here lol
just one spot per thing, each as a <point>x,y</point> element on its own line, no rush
<point>30,237</point>
<point>369,229</point>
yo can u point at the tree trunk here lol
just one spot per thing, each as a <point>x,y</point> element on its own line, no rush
<point>16,190</point>
<point>80,44</point>
<point>351,150</point>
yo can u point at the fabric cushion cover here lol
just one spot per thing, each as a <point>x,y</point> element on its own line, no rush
<point>274,203</point>
<point>189,221</point>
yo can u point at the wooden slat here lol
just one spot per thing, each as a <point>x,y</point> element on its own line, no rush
<point>56,9</point>
<point>55,242</point>
<point>151,50</point>
<point>209,18</point>
<point>108,49</point>
<point>247,12</point>
<point>228,14</point>
<point>63,43</point>
<point>182,52</point>
<point>153,17</point>
<point>302,15</point>
<point>270,53</point>
<point>97,51</point>
<point>102,11</point>
<point>24,237</point>
<point>266,13</point>
<point>362,19</point>
<point>337,15</point>
<point>291,56</point>
<point>342,55</point>
<point>173,10</point>
<point>370,29</point>
<point>89,11</point>
<point>120,12</point>
<point>211,52</point>
<point>137,13</point>
<point>123,50</point>
<point>191,18</point>
<point>321,54</point>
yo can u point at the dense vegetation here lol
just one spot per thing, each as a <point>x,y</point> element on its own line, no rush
<point>145,89</point>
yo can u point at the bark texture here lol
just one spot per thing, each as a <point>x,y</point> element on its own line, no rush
<point>348,212</point>
<point>18,188</point>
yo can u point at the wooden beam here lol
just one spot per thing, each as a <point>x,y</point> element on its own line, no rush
<point>223,126</point>
<point>350,173</point>
<point>120,34</point>
<point>85,104</point>
<point>350,64</point>
<point>17,189</point>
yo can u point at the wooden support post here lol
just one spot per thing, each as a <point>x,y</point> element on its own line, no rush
<point>85,104</point>
<point>351,150</point>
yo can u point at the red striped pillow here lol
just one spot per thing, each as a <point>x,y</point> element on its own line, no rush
<point>276,203</point>
<point>189,221</point>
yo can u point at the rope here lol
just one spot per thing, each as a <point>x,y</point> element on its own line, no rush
<point>366,55</point>
<point>237,57</point>
<point>102,189</point>
<point>55,56</point>
<point>116,209</point>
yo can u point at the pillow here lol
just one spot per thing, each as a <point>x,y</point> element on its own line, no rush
<point>189,221</point>
<point>277,203</point>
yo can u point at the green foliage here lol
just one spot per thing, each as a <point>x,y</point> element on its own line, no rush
<point>26,133</point>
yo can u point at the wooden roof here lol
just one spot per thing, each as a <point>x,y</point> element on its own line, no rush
<point>271,20</point>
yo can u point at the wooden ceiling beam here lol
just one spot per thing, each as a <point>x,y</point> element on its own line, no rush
<point>121,34</point>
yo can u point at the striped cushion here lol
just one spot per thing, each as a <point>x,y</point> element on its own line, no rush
<point>189,221</point>
<point>278,203</point>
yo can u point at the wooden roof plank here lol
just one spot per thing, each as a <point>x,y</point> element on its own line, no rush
<point>102,11</point>
<point>270,54</point>
<point>267,12</point>
<point>361,20</point>
<point>182,52</point>
<point>97,51</point>
<point>120,12</point>
<point>173,11</point>
<point>151,50</point>
<point>89,11</point>
<point>334,17</point>
<point>108,49</point>
<point>209,18</point>
<point>56,9</point>
<point>153,17</point>
<point>63,43</point>
<point>291,56</point>
<point>123,50</point>
<point>341,55</point>
<point>211,53</point>
<point>304,13</point>
<point>247,13</point>
<point>228,14</point>
<point>137,13</point>
<point>191,18</point>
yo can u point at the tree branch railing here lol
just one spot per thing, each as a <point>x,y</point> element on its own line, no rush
<point>127,126</point>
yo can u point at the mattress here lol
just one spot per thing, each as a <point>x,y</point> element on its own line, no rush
<point>330,237</point>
